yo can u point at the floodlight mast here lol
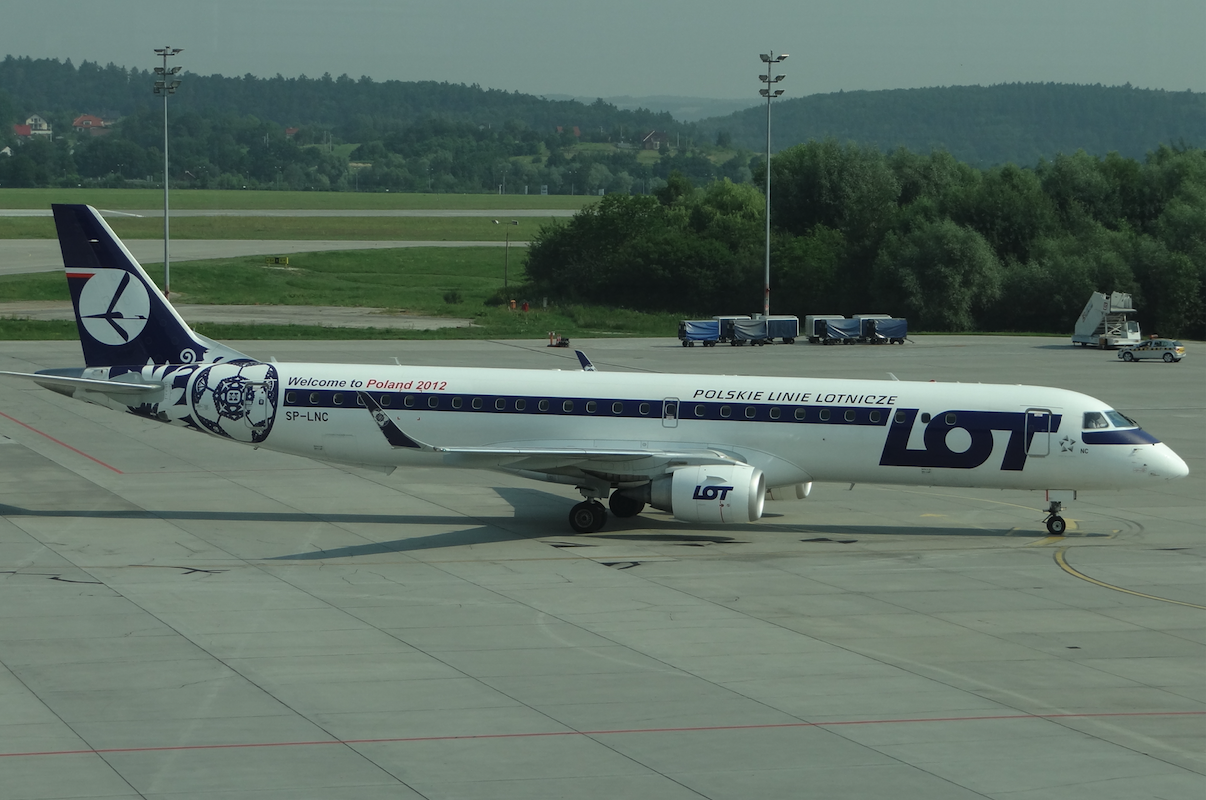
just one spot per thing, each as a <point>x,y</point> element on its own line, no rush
<point>770,59</point>
<point>165,87</point>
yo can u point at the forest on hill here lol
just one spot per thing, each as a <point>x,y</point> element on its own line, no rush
<point>1018,123</point>
<point>350,134</point>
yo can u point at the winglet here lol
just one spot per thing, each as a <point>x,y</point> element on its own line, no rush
<point>585,362</point>
<point>393,434</point>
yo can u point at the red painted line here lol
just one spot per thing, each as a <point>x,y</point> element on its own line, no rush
<point>769,726</point>
<point>64,444</point>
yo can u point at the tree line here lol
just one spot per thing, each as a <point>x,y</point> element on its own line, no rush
<point>947,245</point>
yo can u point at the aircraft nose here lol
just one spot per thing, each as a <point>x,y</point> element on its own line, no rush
<point>1169,465</point>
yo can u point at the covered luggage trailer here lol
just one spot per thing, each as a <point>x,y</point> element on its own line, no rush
<point>704,331</point>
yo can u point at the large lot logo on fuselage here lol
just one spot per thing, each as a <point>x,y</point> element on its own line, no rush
<point>961,439</point>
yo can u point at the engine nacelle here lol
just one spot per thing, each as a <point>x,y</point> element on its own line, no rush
<point>725,494</point>
<point>793,491</point>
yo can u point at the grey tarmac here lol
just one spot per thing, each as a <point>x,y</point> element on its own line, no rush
<point>181,617</point>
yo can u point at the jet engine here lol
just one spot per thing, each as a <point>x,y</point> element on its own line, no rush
<point>725,494</point>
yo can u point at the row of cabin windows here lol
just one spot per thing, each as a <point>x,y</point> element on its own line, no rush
<point>592,406</point>
<point>477,403</point>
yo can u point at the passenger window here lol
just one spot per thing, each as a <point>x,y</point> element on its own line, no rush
<point>875,415</point>
<point>851,414</point>
<point>800,413</point>
<point>500,404</point>
<point>774,413</point>
<point>900,417</point>
<point>925,417</point>
<point>824,415</point>
<point>457,402</point>
<point>433,401</point>
<point>290,397</point>
<point>591,406</point>
<point>521,404</point>
<point>725,412</point>
<point>543,405</point>
<point>617,408</point>
<point>700,410</point>
<point>751,412</point>
<point>644,409</point>
<point>568,406</point>
<point>313,398</point>
<point>477,403</point>
<point>385,400</point>
<point>338,398</point>
<point>950,419</point>
<point>409,401</point>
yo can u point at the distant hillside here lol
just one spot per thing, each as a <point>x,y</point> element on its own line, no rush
<point>984,126</point>
<point>48,86</point>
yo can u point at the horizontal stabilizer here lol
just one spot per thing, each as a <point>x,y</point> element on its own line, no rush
<point>69,384</point>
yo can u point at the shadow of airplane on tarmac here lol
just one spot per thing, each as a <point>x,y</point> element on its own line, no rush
<point>537,515</point>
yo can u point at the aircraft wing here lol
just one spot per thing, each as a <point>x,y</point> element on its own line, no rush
<point>67,385</point>
<point>557,458</point>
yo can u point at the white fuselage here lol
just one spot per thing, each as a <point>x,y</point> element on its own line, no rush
<point>795,430</point>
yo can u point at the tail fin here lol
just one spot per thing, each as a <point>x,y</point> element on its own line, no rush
<point>123,318</point>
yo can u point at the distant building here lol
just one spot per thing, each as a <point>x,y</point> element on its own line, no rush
<point>94,126</point>
<point>22,131</point>
<point>653,140</point>
<point>291,132</point>
<point>577,133</point>
<point>6,151</point>
<point>38,126</point>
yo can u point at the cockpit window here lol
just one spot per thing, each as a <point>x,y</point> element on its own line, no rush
<point>1121,420</point>
<point>1095,420</point>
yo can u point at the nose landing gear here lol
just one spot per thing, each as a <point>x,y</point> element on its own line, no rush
<point>1055,523</point>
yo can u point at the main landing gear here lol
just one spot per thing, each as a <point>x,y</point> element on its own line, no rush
<point>1055,523</point>
<point>590,516</point>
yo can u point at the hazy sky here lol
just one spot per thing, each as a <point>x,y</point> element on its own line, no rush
<point>703,48</point>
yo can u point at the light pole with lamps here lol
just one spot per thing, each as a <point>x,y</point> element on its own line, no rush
<point>165,87</point>
<point>770,78</point>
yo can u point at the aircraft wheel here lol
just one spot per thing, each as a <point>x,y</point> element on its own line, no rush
<point>1168,358</point>
<point>1127,356</point>
<point>1056,525</point>
<point>624,506</point>
<point>588,517</point>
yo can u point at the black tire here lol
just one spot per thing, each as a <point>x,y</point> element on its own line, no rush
<point>624,506</point>
<point>1056,525</point>
<point>587,517</point>
<point>1128,356</point>
<point>1168,358</point>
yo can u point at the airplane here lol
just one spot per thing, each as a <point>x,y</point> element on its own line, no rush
<point>707,449</point>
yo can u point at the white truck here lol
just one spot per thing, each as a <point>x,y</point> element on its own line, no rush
<point>1104,323</point>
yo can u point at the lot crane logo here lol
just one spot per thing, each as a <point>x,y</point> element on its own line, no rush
<point>114,306</point>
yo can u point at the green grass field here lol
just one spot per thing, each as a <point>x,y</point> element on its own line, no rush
<point>218,199</point>
<point>422,229</point>
<point>416,280</point>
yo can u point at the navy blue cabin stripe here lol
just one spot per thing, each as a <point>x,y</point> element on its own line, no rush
<point>594,407</point>
<point>1126,436</point>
